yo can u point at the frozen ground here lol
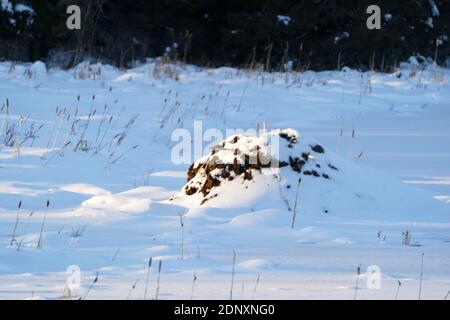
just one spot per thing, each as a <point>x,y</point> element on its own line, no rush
<point>108,178</point>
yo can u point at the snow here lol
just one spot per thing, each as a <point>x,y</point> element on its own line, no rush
<point>285,20</point>
<point>96,142</point>
<point>20,7</point>
<point>434,9</point>
<point>442,39</point>
<point>38,70</point>
<point>414,62</point>
<point>343,35</point>
<point>9,153</point>
<point>6,6</point>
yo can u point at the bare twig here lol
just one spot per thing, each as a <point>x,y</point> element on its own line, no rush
<point>358,273</point>
<point>421,276</point>
<point>232,275</point>
<point>40,244</point>
<point>157,282</point>
<point>294,211</point>
<point>256,285</point>
<point>398,289</point>
<point>91,286</point>
<point>446,296</point>
<point>13,238</point>
<point>194,280</point>
<point>132,289</point>
<point>148,277</point>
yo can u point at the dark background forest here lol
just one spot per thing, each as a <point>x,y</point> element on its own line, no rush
<point>313,34</point>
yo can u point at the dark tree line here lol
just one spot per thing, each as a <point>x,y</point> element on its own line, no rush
<point>315,34</point>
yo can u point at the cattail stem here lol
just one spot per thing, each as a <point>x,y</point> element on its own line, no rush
<point>294,212</point>
<point>90,288</point>
<point>398,289</point>
<point>358,273</point>
<point>232,275</point>
<point>436,52</point>
<point>256,286</point>
<point>446,296</point>
<point>157,281</point>
<point>132,289</point>
<point>193,285</point>
<point>148,277</point>
<point>13,238</point>
<point>341,133</point>
<point>421,276</point>
<point>81,139</point>
<point>181,217</point>
<point>123,154</point>
<point>350,153</point>
<point>40,244</point>
<point>269,53</point>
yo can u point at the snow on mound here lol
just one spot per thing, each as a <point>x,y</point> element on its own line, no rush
<point>241,157</point>
<point>38,71</point>
<point>282,169</point>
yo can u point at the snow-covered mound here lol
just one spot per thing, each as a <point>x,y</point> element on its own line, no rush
<point>286,170</point>
<point>242,157</point>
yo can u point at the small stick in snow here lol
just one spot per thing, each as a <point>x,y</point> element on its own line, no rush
<point>115,255</point>
<point>148,277</point>
<point>421,276</point>
<point>13,238</point>
<point>40,244</point>
<point>358,273</point>
<point>157,282</point>
<point>132,289</point>
<point>350,153</point>
<point>341,133</point>
<point>83,133</point>
<point>193,284</point>
<point>101,122</point>
<point>90,288</point>
<point>446,296</point>
<point>398,289</point>
<point>294,211</point>
<point>19,246</point>
<point>50,159</point>
<point>232,275</point>
<point>242,95</point>
<point>122,155</point>
<point>360,155</point>
<point>256,285</point>
<point>181,217</point>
